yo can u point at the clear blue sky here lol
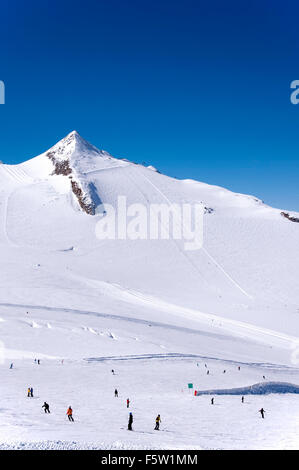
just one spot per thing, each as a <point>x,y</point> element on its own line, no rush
<point>199,89</point>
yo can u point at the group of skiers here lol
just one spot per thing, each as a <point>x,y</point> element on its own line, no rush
<point>69,412</point>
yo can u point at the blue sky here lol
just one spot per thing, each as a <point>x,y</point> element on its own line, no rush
<point>198,89</point>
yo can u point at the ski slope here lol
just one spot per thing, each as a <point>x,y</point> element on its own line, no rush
<point>150,310</point>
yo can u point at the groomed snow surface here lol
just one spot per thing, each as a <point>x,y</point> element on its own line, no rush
<point>159,316</point>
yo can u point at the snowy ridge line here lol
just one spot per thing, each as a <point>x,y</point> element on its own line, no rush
<point>260,388</point>
<point>133,357</point>
<point>233,326</point>
<point>235,283</point>
<point>118,318</point>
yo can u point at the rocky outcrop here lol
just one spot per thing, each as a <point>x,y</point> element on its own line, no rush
<point>289,217</point>
<point>84,202</point>
<point>62,167</point>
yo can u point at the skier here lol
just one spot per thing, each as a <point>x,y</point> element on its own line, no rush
<point>11,365</point>
<point>130,422</point>
<point>46,407</point>
<point>158,421</point>
<point>31,392</point>
<point>239,368</point>
<point>70,413</point>
<point>208,372</point>
<point>38,361</point>
<point>115,393</point>
<point>113,372</point>
<point>128,403</point>
<point>262,411</point>
<point>242,399</point>
<point>212,401</point>
<point>224,371</point>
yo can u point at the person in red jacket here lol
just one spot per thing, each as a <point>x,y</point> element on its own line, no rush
<point>70,413</point>
<point>128,403</point>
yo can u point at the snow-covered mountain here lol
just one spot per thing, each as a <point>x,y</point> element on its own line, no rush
<point>66,294</point>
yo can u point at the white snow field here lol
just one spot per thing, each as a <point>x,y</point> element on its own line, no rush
<point>150,310</point>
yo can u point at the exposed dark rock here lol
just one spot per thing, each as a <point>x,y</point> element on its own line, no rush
<point>63,168</point>
<point>289,217</point>
<point>86,206</point>
<point>60,168</point>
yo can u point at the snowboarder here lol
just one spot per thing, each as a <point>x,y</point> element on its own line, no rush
<point>70,413</point>
<point>242,399</point>
<point>130,422</point>
<point>262,411</point>
<point>46,407</point>
<point>128,403</point>
<point>158,421</point>
<point>115,393</point>
<point>212,401</point>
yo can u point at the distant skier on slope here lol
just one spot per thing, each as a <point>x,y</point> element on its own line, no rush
<point>70,414</point>
<point>46,407</point>
<point>29,392</point>
<point>115,393</point>
<point>212,401</point>
<point>130,422</point>
<point>158,421</point>
<point>262,411</point>
<point>128,403</point>
<point>242,399</point>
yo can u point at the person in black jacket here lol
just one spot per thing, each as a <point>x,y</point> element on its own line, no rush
<point>130,422</point>
<point>46,407</point>
<point>262,411</point>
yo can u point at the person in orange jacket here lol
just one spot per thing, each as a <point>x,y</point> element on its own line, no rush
<point>70,413</point>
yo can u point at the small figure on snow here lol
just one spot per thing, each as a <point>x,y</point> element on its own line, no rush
<point>128,403</point>
<point>212,401</point>
<point>38,361</point>
<point>242,399</point>
<point>158,421</point>
<point>262,411</point>
<point>208,372</point>
<point>11,366</point>
<point>224,371</point>
<point>113,373</point>
<point>130,422</point>
<point>46,407</point>
<point>31,392</point>
<point>115,393</point>
<point>70,414</point>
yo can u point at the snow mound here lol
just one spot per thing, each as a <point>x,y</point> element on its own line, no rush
<point>256,389</point>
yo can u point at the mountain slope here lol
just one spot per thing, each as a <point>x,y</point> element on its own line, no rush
<point>97,304</point>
